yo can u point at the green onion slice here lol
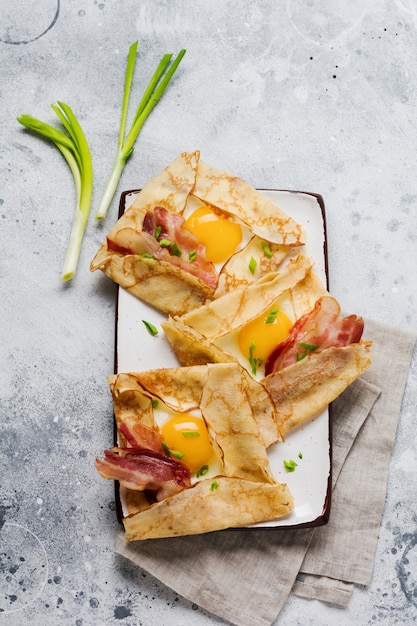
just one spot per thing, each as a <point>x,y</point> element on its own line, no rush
<point>267,250</point>
<point>202,471</point>
<point>252,265</point>
<point>152,330</point>
<point>190,433</point>
<point>308,346</point>
<point>290,465</point>
<point>272,316</point>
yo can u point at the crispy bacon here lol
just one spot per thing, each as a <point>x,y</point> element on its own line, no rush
<point>165,238</point>
<point>141,469</point>
<point>137,435</point>
<point>169,226</point>
<point>131,241</point>
<point>320,328</point>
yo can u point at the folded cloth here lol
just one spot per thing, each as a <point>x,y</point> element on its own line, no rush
<point>245,576</point>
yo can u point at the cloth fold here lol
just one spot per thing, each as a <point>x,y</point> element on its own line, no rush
<point>245,576</point>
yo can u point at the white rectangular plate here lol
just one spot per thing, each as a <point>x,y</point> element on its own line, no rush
<point>309,446</point>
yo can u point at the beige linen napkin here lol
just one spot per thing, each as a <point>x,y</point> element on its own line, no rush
<point>245,576</point>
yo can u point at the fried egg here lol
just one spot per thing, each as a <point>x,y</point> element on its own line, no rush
<point>185,437</point>
<point>252,343</point>
<point>220,235</point>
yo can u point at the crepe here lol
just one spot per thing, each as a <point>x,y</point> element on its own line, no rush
<point>169,281</point>
<point>299,391</point>
<point>235,409</point>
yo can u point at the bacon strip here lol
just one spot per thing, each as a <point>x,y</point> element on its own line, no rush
<point>171,226</point>
<point>141,469</point>
<point>159,227</point>
<point>138,435</point>
<point>320,328</point>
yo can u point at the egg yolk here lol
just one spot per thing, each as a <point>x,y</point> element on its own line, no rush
<point>187,439</point>
<point>219,235</point>
<point>260,336</point>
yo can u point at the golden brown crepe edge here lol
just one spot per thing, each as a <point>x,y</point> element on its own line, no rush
<point>210,505</point>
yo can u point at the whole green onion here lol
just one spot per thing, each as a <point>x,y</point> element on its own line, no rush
<point>75,149</point>
<point>153,93</point>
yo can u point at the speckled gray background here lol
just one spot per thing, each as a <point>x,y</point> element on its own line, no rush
<point>318,95</point>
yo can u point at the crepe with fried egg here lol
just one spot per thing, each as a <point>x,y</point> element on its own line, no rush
<point>192,234</point>
<point>289,334</point>
<point>164,498</point>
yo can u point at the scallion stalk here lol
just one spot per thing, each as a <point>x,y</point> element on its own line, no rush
<point>151,96</point>
<point>75,150</point>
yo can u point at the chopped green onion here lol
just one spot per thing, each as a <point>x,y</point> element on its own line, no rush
<point>252,265</point>
<point>177,454</point>
<point>272,316</point>
<point>267,250</point>
<point>253,361</point>
<point>165,243</point>
<point>175,251</point>
<point>76,152</point>
<point>193,255</point>
<point>203,470</point>
<point>152,330</point>
<point>158,231</point>
<point>146,255</point>
<point>190,433</point>
<point>300,455</point>
<point>214,485</point>
<point>308,346</point>
<point>151,96</point>
<point>155,403</point>
<point>171,453</point>
<point>290,465</point>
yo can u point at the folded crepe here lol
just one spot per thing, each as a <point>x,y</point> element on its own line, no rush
<point>320,354</point>
<point>151,252</point>
<point>161,497</point>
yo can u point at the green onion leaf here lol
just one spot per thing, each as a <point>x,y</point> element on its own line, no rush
<point>165,243</point>
<point>267,250</point>
<point>300,455</point>
<point>203,470</point>
<point>272,316</point>
<point>190,433</point>
<point>166,449</point>
<point>151,96</point>
<point>152,330</point>
<point>301,355</point>
<point>155,403</point>
<point>252,265</point>
<point>74,148</point>
<point>158,231</point>
<point>290,466</point>
<point>214,485</point>
<point>146,255</point>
